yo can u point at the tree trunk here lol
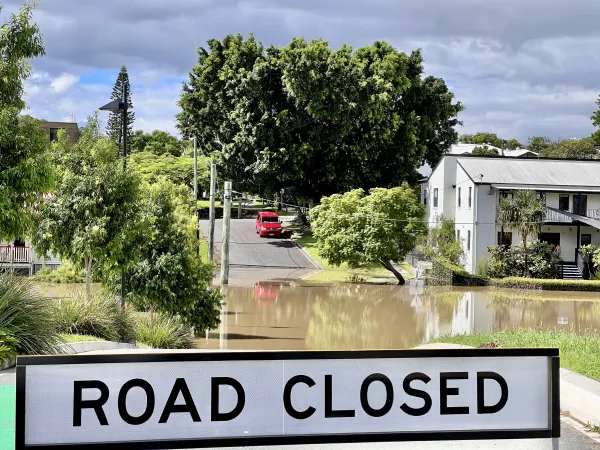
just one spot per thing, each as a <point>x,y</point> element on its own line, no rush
<point>389,266</point>
<point>524,244</point>
<point>88,271</point>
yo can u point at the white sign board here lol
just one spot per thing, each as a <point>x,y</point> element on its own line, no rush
<point>183,400</point>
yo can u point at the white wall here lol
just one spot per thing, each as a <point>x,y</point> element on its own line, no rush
<point>593,201</point>
<point>464,216</point>
<point>485,229</point>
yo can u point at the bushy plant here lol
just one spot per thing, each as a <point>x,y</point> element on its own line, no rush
<point>159,330</point>
<point>547,285</point>
<point>540,261</point>
<point>67,272</point>
<point>26,317</point>
<point>441,242</point>
<point>101,316</point>
<point>502,262</point>
<point>8,346</point>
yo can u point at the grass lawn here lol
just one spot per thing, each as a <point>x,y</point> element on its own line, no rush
<point>579,352</point>
<point>332,274</point>
<point>79,338</point>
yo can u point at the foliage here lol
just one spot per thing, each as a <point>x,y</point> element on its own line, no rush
<point>27,317</point>
<point>571,148</point>
<point>525,213</point>
<point>25,171</point>
<point>93,215</point>
<point>8,346</point>
<point>442,242</point>
<point>444,272</point>
<point>483,138</point>
<point>70,338</point>
<point>587,252</point>
<point>380,227</point>
<point>539,144</point>
<point>482,267</point>
<point>162,331</point>
<point>114,127</point>
<point>507,261</point>
<point>313,120</point>
<point>178,170</point>
<point>596,258</point>
<point>513,144</point>
<point>100,316</point>
<point>547,284</point>
<point>67,272</point>
<point>578,349</point>
<point>484,150</point>
<point>169,276</point>
<point>158,143</point>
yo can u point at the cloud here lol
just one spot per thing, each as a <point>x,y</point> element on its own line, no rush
<point>63,82</point>
<point>522,68</point>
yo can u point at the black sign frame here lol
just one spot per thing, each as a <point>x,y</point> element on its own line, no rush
<point>552,431</point>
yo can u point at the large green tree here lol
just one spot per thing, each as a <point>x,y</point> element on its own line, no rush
<point>25,170</point>
<point>583,148</point>
<point>525,213</point>
<point>169,276</point>
<point>158,142</point>
<point>313,120</point>
<point>484,150</point>
<point>381,227</point>
<point>490,139</point>
<point>94,212</point>
<point>114,127</point>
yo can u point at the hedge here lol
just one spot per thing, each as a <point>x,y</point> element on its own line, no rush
<point>547,285</point>
<point>444,270</point>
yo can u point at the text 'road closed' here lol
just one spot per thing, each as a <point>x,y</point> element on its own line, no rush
<point>261,398</point>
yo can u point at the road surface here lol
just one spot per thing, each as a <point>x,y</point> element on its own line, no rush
<point>248,249</point>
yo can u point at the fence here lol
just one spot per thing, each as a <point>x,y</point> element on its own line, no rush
<point>14,255</point>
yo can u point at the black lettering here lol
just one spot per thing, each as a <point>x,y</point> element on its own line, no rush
<point>416,393</point>
<point>287,397</point>
<point>481,377</point>
<point>329,411</point>
<point>180,386</point>
<point>445,391</point>
<point>96,405</point>
<point>122,403</point>
<point>364,395</point>
<point>217,416</point>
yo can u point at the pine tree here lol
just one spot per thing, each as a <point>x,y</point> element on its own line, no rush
<point>114,127</point>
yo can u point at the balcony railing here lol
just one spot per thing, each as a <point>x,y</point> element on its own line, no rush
<point>554,215</point>
<point>10,254</point>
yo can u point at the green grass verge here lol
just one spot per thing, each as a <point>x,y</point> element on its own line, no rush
<point>7,417</point>
<point>78,338</point>
<point>332,274</point>
<point>579,352</point>
<point>547,285</point>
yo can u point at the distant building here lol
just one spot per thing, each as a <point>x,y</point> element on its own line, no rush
<point>52,129</point>
<point>467,149</point>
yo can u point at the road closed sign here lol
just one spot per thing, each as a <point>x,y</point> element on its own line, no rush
<point>212,400</point>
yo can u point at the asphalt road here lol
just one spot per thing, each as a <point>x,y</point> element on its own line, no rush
<point>248,249</point>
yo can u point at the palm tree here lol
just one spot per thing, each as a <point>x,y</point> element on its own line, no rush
<point>523,212</point>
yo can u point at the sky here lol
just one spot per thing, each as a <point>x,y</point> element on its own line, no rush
<point>521,67</point>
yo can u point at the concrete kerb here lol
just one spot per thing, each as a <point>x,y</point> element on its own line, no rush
<point>308,256</point>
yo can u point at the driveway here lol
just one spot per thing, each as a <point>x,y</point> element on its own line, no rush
<point>247,248</point>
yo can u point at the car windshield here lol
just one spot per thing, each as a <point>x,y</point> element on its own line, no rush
<point>270,219</point>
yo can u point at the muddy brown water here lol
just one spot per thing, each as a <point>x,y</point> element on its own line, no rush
<point>348,316</point>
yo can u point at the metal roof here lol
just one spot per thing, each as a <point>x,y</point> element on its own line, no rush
<point>545,172</point>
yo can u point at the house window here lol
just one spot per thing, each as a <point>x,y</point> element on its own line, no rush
<point>563,202</point>
<point>580,204</point>
<point>459,197</point>
<point>586,239</point>
<point>469,239</point>
<point>458,235</point>
<point>435,198</point>
<point>54,134</point>
<point>470,194</point>
<point>505,239</point>
<point>425,197</point>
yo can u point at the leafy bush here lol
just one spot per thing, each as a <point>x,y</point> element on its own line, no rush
<point>441,242</point>
<point>507,261</point>
<point>67,272</point>
<point>481,269</point>
<point>8,346</point>
<point>26,318</point>
<point>101,316</point>
<point>548,285</point>
<point>460,277</point>
<point>158,330</point>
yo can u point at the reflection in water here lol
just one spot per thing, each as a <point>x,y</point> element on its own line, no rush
<point>352,316</point>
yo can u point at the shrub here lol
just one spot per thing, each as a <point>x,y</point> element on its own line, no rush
<point>548,285</point>
<point>8,346</point>
<point>507,261</point>
<point>67,272</point>
<point>101,316</point>
<point>158,330</point>
<point>460,277</point>
<point>26,318</point>
<point>441,242</point>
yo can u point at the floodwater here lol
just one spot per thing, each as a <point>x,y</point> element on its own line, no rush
<point>359,316</point>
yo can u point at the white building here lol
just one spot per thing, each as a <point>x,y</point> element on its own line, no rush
<point>468,190</point>
<point>467,149</point>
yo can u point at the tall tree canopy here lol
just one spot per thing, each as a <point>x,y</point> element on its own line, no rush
<point>114,127</point>
<point>584,148</point>
<point>491,139</point>
<point>313,120</point>
<point>381,227</point>
<point>25,169</point>
<point>158,142</point>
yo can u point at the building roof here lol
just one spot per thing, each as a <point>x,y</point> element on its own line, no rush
<point>467,149</point>
<point>541,174</point>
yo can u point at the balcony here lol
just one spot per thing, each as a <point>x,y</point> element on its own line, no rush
<point>554,215</point>
<point>13,255</point>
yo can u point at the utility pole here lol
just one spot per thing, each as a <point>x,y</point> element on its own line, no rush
<point>226,230</point>
<point>240,207</point>
<point>211,213</point>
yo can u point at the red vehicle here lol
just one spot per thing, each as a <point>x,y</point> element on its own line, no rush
<point>268,224</point>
